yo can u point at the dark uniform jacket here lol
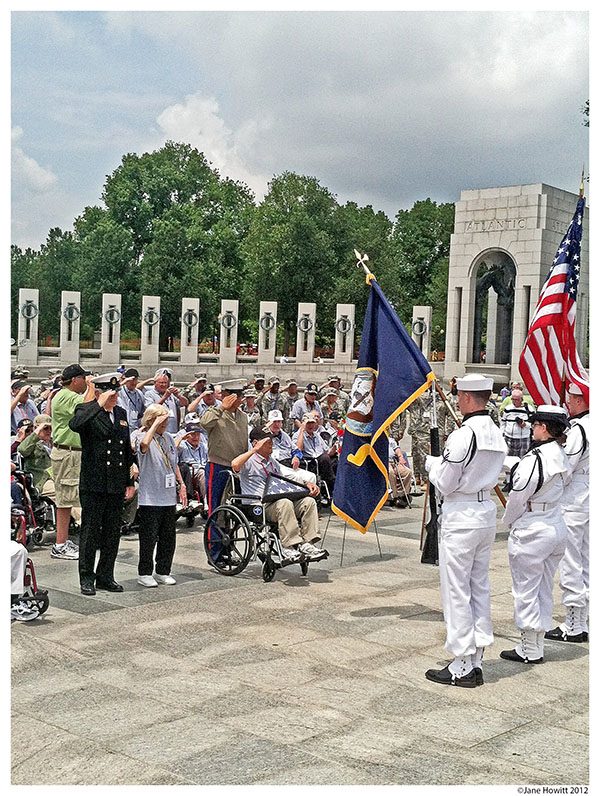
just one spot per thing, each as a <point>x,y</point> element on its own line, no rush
<point>106,455</point>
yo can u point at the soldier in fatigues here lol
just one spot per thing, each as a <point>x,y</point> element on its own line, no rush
<point>255,419</point>
<point>274,399</point>
<point>105,481</point>
<point>463,477</point>
<point>419,428</point>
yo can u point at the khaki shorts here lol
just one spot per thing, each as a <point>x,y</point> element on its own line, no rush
<point>66,466</point>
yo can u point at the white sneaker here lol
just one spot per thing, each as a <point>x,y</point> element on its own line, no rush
<point>168,580</point>
<point>66,550</point>
<point>311,552</point>
<point>289,553</point>
<point>146,580</point>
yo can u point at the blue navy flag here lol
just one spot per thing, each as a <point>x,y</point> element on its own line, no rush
<point>391,373</point>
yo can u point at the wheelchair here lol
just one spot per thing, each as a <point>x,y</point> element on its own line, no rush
<point>239,531</point>
<point>33,596</point>
<point>312,466</point>
<point>39,510</point>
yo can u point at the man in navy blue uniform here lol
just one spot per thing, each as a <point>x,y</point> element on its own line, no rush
<point>105,481</point>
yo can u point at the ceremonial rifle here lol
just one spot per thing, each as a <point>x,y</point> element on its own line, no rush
<point>430,546</point>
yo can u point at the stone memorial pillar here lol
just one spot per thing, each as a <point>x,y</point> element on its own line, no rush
<point>70,319</point>
<point>305,335</point>
<point>421,329</point>
<point>27,328</point>
<point>344,333</point>
<point>190,316</point>
<point>150,330</point>
<point>267,332</point>
<point>111,329</point>
<point>228,321</point>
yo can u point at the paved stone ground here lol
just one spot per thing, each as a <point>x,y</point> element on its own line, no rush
<point>302,681</point>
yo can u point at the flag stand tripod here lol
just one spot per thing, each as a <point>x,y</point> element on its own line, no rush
<point>344,538</point>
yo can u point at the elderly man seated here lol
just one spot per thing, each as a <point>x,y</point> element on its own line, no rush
<point>315,450</point>
<point>284,450</point>
<point>192,450</point>
<point>297,520</point>
<point>400,476</point>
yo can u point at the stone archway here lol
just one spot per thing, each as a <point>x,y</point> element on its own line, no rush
<point>495,274</point>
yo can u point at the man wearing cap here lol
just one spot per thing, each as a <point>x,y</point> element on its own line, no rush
<point>331,403</point>
<point>297,520</point>
<point>106,480</point>
<point>284,451</point>
<point>162,393</point>
<point>307,404</point>
<point>463,477</point>
<point>192,451</point>
<point>315,449</point>
<point>273,399</point>
<point>196,388</point>
<point>227,429</point>
<point>290,393</point>
<point>574,567</point>
<point>207,398</point>
<point>131,399</point>
<point>335,383</point>
<point>538,532</point>
<point>21,405</point>
<point>250,408</point>
<point>35,450</point>
<point>516,425</point>
<point>76,388</point>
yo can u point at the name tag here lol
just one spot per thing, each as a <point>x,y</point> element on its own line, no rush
<point>169,480</point>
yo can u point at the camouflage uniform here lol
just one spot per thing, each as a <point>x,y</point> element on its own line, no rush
<point>419,428</point>
<point>288,424</point>
<point>271,401</point>
<point>336,406</point>
<point>493,410</point>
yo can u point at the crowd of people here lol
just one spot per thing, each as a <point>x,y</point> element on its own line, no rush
<point>120,455</point>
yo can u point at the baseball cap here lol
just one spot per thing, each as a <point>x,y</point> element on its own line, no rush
<point>73,371</point>
<point>311,387</point>
<point>18,385</point>
<point>191,417</point>
<point>163,372</point>
<point>292,381</point>
<point>334,416</point>
<point>274,414</point>
<point>259,433</point>
<point>193,427</point>
<point>131,373</point>
<point>42,420</point>
<point>25,422</point>
<point>274,380</point>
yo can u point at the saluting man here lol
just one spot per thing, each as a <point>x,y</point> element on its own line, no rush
<point>105,481</point>
<point>464,475</point>
<point>574,568</point>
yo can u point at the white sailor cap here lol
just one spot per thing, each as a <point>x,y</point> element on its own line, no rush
<point>274,414</point>
<point>107,381</point>
<point>574,389</point>
<point>548,413</point>
<point>474,382</point>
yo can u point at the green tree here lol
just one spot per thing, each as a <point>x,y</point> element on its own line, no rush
<point>290,248</point>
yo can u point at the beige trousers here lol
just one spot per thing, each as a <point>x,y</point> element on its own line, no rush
<point>298,520</point>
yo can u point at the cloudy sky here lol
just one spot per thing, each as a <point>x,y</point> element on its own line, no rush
<point>384,108</point>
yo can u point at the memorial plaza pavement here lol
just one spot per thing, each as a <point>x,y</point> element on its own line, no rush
<point>314,680</point>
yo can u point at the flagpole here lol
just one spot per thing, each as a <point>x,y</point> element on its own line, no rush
<point>582,180</point>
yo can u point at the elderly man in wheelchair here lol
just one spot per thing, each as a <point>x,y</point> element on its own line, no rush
<point>273,517</point>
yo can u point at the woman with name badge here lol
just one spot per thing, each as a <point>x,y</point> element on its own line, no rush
<point>159,477</point>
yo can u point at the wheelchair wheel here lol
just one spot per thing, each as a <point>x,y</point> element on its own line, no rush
<point>268,570</point>
<point>42,600</point>
<point>228,540</point>
<point>189,520</point>
<point>37,536</point>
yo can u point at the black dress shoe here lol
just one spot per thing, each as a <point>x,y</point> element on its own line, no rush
<point>445,677</point>
<point>513,655</point>
<point>109,585</point>
<point>478,675</point>
<point>561,635</point>
<point>88,589</point>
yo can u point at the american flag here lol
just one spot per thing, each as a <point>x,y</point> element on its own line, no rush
<point>278,486</point>
<point>549,355</point>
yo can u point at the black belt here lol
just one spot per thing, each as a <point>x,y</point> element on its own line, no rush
<point>66,447</point>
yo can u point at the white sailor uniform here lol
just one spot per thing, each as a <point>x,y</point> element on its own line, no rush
<point>464,476</point>
<point>574,568</point>
<point>537,540</point>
